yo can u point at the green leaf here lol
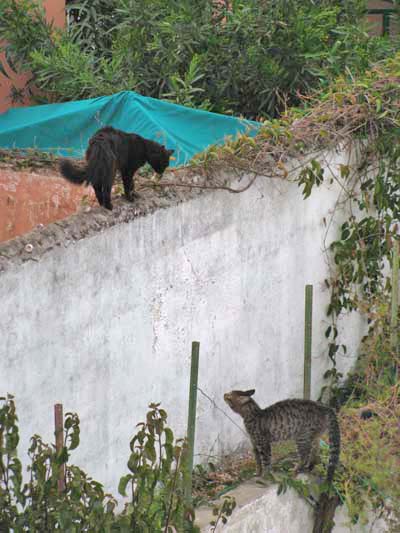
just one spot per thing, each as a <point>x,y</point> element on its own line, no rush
<point>169,436</point>
<point>62,456</point>
<point>123,482</point>
<point>5,74</point>
<point>150,451</point>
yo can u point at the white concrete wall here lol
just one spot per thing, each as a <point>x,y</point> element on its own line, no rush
<point>105,326</point>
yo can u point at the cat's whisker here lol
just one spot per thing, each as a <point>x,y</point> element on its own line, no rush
<point>222,411</point>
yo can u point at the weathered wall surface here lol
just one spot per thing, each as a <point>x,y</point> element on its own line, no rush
<point>104,324</point>
<point>261,510</point>
<point>28,199</point>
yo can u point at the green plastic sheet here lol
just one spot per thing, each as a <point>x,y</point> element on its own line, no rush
<point>64,129</point>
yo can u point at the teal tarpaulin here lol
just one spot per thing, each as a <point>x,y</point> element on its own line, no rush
<point>64,129</point>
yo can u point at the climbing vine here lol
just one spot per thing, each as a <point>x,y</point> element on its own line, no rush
<point>361,118</point>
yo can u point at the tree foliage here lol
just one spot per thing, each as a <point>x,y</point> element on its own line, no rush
<point>251,58</point>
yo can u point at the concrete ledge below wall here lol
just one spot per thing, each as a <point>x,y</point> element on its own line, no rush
<point>260,510</point>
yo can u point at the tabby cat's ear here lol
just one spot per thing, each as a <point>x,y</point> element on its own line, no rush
<point>249,392</point>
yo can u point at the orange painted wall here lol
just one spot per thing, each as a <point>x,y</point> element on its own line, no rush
<point>55,12</point>
<point>29,198</point>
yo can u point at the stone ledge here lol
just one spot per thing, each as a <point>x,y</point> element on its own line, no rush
<point>259,509</point>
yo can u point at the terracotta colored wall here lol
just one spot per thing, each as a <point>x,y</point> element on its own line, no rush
<point>55,11</point>
<point>29,198</point>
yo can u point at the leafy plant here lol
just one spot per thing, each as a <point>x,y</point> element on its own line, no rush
<point>18,39</point>
<point>91,23</point>
<point>184,91</point>
<point>155,503</point>
<point>223,511</point>
<point>155,481</point>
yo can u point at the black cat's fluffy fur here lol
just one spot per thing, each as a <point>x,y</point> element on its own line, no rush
<point>110,150</point>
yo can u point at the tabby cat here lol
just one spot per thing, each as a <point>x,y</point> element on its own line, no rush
<point>301,420</point>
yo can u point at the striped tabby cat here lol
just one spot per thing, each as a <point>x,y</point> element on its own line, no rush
<point>301,420</point>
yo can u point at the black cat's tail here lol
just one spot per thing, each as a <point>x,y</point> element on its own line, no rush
<point>72,172</point>
<point>99,169</point>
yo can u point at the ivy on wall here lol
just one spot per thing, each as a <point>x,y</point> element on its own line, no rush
<point>361,117</point>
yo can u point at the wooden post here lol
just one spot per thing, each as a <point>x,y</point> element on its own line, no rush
<point>307,341</point>
<point>394,334</point>
<point>59,433</point>
<point>194,373</point>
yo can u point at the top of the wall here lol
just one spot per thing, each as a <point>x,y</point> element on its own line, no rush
<point>92,220</point>
<point>348,111</point>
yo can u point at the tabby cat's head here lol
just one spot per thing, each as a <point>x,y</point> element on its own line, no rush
<point>237,399</point>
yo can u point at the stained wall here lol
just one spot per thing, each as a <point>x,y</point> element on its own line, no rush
<point>102,319</point>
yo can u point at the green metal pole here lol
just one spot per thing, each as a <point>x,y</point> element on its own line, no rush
<point>386,23</point>
<point>307,341</point>
<point>394,334</point>
<point>59,434</point>
<point>194,373</point>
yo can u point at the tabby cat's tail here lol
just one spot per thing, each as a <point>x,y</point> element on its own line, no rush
<point>334,445</point>
<point>327,503</point>
<point>324,513</point>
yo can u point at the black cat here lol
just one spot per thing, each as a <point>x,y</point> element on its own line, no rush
<point>110,150</point>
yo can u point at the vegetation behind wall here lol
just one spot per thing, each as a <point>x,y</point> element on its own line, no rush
<point>248,58</point>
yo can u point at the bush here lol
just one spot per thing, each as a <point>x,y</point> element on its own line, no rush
<point>251,58</point>
<point>155,502</point>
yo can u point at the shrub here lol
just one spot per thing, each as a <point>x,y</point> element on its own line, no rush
<point>155,497</point>
<point>251,58</point>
